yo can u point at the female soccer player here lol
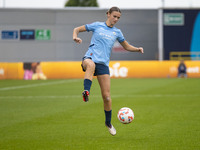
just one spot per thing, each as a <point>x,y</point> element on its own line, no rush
<point>96,60</point>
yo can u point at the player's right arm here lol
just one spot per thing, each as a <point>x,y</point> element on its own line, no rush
<point>76,32</point>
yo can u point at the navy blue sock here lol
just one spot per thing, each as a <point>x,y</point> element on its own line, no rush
<point>108,115</point>
<point>87,84</point>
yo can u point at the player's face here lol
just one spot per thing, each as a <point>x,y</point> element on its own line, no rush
<point>114,17</point>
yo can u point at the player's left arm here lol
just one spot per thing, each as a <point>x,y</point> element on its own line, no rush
<point>131,48</point>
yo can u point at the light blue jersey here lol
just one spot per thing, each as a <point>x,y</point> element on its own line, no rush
<point>102,41</point>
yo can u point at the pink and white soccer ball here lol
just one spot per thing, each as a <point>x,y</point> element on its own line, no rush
<point>125,115</point>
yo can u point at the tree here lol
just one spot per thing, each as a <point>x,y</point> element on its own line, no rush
<point>81,3</point>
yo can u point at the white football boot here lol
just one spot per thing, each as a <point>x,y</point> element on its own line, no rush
<point>111,129</point>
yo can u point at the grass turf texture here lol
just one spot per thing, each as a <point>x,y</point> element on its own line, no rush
<point>51,115</point>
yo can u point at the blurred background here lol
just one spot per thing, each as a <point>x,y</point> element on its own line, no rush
<point>41,31</point>
<point>101,3</point>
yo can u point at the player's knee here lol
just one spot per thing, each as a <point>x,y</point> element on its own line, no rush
<point>91,66</point>
<point>106,98</point>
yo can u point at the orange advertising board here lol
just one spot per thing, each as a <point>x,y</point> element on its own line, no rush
<point>152,69</point>
<point>118,69</point>
<point>11,71</point>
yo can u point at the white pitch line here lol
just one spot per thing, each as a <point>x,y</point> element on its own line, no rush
<point>161,95</point>
<point>96,96</point>
<point>36,97</point>
<point>36,85</point>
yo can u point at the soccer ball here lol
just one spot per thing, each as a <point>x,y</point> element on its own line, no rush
<point>125,115</point>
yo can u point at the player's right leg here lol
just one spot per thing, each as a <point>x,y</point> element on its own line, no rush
<point>89,68</point>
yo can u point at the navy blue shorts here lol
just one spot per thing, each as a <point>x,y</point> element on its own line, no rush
<point>100,69</point>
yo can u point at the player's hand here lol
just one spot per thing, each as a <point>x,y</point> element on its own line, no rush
<point>77,40</point>
<point>141,50</point>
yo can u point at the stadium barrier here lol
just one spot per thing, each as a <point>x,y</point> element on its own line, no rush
<point>118,69</point>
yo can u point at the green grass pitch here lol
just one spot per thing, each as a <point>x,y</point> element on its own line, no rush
<point>51,115</point>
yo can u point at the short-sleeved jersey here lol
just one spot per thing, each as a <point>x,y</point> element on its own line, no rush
<point>102,41</point>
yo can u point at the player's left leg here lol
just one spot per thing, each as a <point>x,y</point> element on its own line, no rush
<point>104,82</point>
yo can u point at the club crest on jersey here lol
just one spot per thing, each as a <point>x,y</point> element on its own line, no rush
<point>114,33</point>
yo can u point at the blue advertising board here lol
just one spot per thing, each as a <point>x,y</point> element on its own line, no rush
<point>27,34</point>
<point>9,34</point>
